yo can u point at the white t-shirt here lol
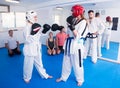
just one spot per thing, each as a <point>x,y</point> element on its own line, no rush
<point>11,42</point>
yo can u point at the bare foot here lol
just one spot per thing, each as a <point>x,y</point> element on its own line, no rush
<point>26,80</point>
<point>50,77</point>
<point>79,83</point>
<point>94,62</point>
<point>58,80</point>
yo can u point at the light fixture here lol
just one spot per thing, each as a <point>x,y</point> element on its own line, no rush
<point>13,1</point>
<point>59,8</point>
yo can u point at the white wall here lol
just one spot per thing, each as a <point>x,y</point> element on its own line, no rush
<point>17,8</point>
<point>4,32</point>
<point>0,22</point>
<point>46,15</point>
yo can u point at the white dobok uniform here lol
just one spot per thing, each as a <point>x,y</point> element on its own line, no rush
<point>32,53</point>
<point>91,43</point>
<point>101,28</point>
<point>73,54</point>
<point>107,35</point>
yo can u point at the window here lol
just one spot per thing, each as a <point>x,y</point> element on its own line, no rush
<point>115,23</point>
<point>57,19</point>
<point>13,20</point>
<point>8,20</point>
<point>20,19</point>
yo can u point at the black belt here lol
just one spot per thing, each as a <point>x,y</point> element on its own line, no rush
<point>91,35</point>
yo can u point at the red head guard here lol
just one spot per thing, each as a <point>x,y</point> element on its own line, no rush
<point>108,18</point>
<point>77,10</point>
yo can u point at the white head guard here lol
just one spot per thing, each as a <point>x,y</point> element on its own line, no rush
<point>30,16</point>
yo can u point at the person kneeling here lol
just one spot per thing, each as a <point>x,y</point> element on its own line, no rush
<point>60,40</point>
<point>12,44</point>
<point>51,44</point>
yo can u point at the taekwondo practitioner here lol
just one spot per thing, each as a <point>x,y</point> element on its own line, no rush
<point>100,33</point>
<point>32,46</point>
<point>74,48</point>
<point>107,32</point>
<point>94,26</point>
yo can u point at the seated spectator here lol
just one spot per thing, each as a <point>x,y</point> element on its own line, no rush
<point>51,44</point>
<point>60,39</point>
<point>12,44</point>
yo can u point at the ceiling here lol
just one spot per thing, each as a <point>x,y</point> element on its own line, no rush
<point>36,2</point>
<point>45,3</point>
<point>24,2</point>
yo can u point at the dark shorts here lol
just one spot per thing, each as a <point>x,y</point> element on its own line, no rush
<point>15,51</point>
<point>61,48</point>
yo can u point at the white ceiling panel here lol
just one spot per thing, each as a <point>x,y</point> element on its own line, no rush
<point>24,2</point>
<point>28,4</point>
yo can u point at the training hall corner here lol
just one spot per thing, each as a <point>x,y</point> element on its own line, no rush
<point>27,60</point>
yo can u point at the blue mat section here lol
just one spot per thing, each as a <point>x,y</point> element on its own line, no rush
<point>100,75</point>
<point>112,53</point>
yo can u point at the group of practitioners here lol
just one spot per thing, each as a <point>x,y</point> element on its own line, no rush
<point>55,44</point>
<point>99,34</point>
<point>83,38</point>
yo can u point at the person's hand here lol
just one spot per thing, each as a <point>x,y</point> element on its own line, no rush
<point>96,33</point>
<point>57,48</point>
<point>18,49</point>
<point>10,51</point>
<point>53,49</point>
<point>68,35</point>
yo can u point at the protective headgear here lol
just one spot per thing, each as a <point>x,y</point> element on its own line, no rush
<point>30,16</point>
<point>35,28</point>
<point>108,18</point>
<point>77,10</point>
<point>55,27</point>
<point>46,27</point>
